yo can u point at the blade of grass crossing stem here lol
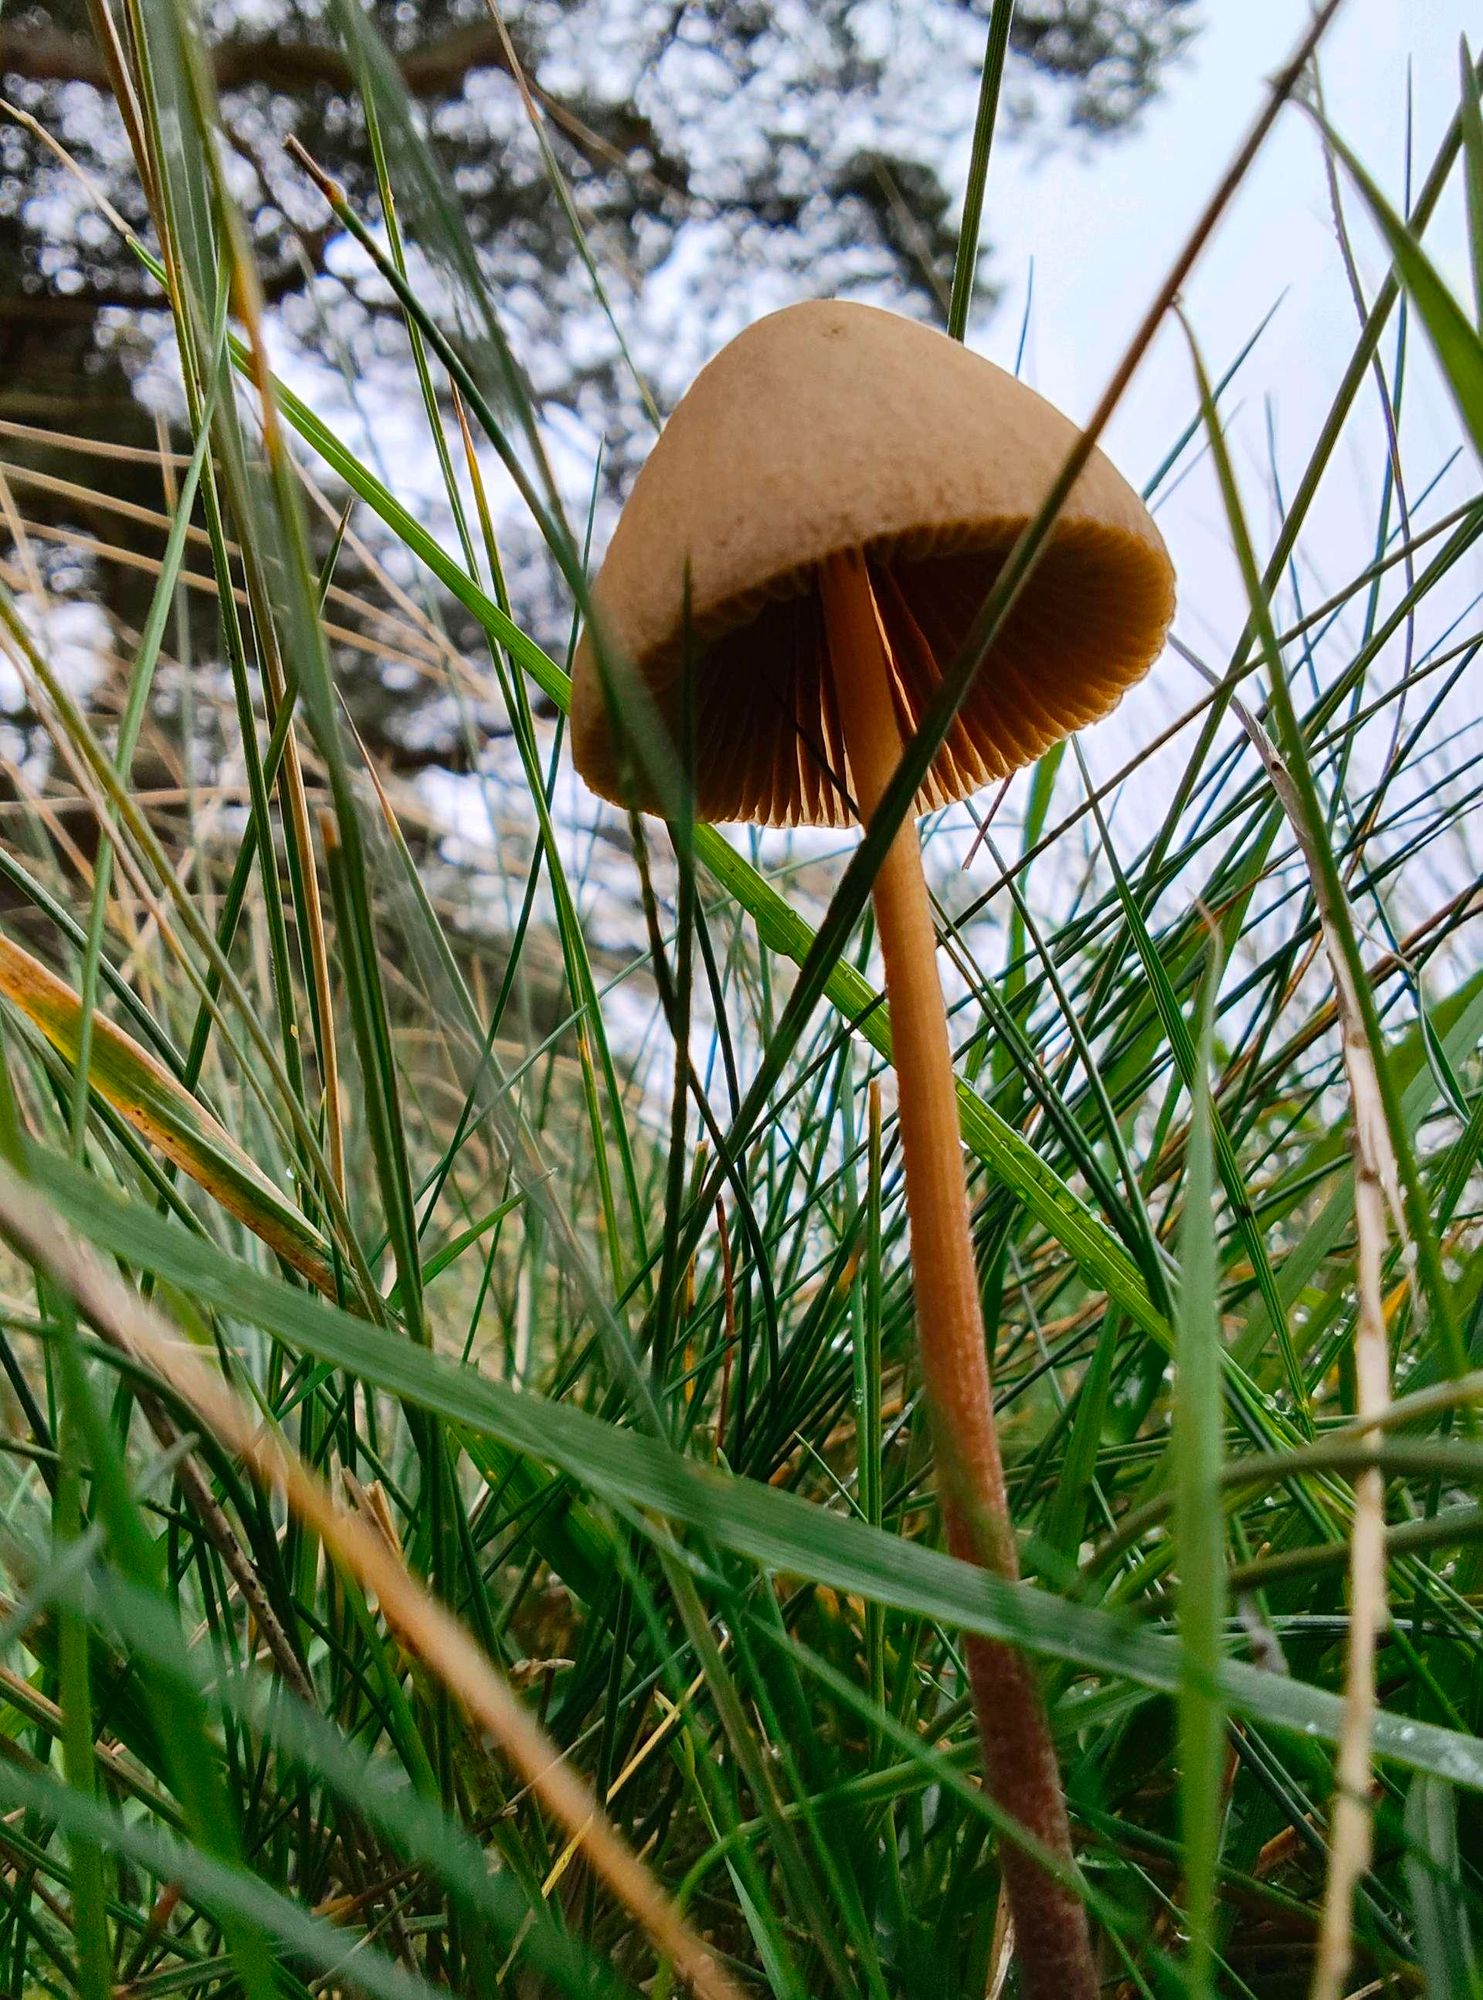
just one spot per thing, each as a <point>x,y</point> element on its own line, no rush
<point>965,264</point>
<point>780,1530</point>
<point>1199,1522</point>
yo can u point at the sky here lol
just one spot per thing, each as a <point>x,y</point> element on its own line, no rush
<point>1102,226</point>
<point>1087,233</point>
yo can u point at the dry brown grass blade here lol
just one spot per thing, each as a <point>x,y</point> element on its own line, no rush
<point>1376,1189</point>
<point>404,629</point>
<point>397,649</point>
<point>422,1624</point>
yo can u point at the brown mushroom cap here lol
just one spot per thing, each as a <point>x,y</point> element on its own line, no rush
<point>828,427</point>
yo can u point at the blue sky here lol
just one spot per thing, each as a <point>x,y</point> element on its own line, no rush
<point>1102,225</point>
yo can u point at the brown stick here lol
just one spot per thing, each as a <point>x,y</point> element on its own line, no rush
<point>1019,1758</point>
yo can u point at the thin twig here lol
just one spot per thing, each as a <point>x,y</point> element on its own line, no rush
<point>1376,1188</point>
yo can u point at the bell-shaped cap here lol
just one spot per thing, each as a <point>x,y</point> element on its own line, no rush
<point>829,427</point>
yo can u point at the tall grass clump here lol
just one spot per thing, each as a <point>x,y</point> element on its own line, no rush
<point>468,1506</point>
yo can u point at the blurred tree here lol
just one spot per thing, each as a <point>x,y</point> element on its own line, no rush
<point>724,156</point>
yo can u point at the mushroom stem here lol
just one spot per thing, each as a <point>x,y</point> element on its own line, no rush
<point>1019,1757</point>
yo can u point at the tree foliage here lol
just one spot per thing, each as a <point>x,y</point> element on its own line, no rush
<point>733,145</point>
<point>720,157</point>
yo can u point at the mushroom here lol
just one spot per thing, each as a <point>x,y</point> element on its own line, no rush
<point>802,556</point>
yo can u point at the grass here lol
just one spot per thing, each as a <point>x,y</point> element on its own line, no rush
<point>560,1261</point>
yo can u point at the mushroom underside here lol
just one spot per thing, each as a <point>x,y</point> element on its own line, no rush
<point>769,745</point>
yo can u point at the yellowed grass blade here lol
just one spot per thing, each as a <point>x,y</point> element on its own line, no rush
<point>428,1630</point>
<point>143,1092</point>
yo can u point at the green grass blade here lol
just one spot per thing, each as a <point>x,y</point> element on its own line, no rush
<point>771,1527</point>
<point>991,76</point>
